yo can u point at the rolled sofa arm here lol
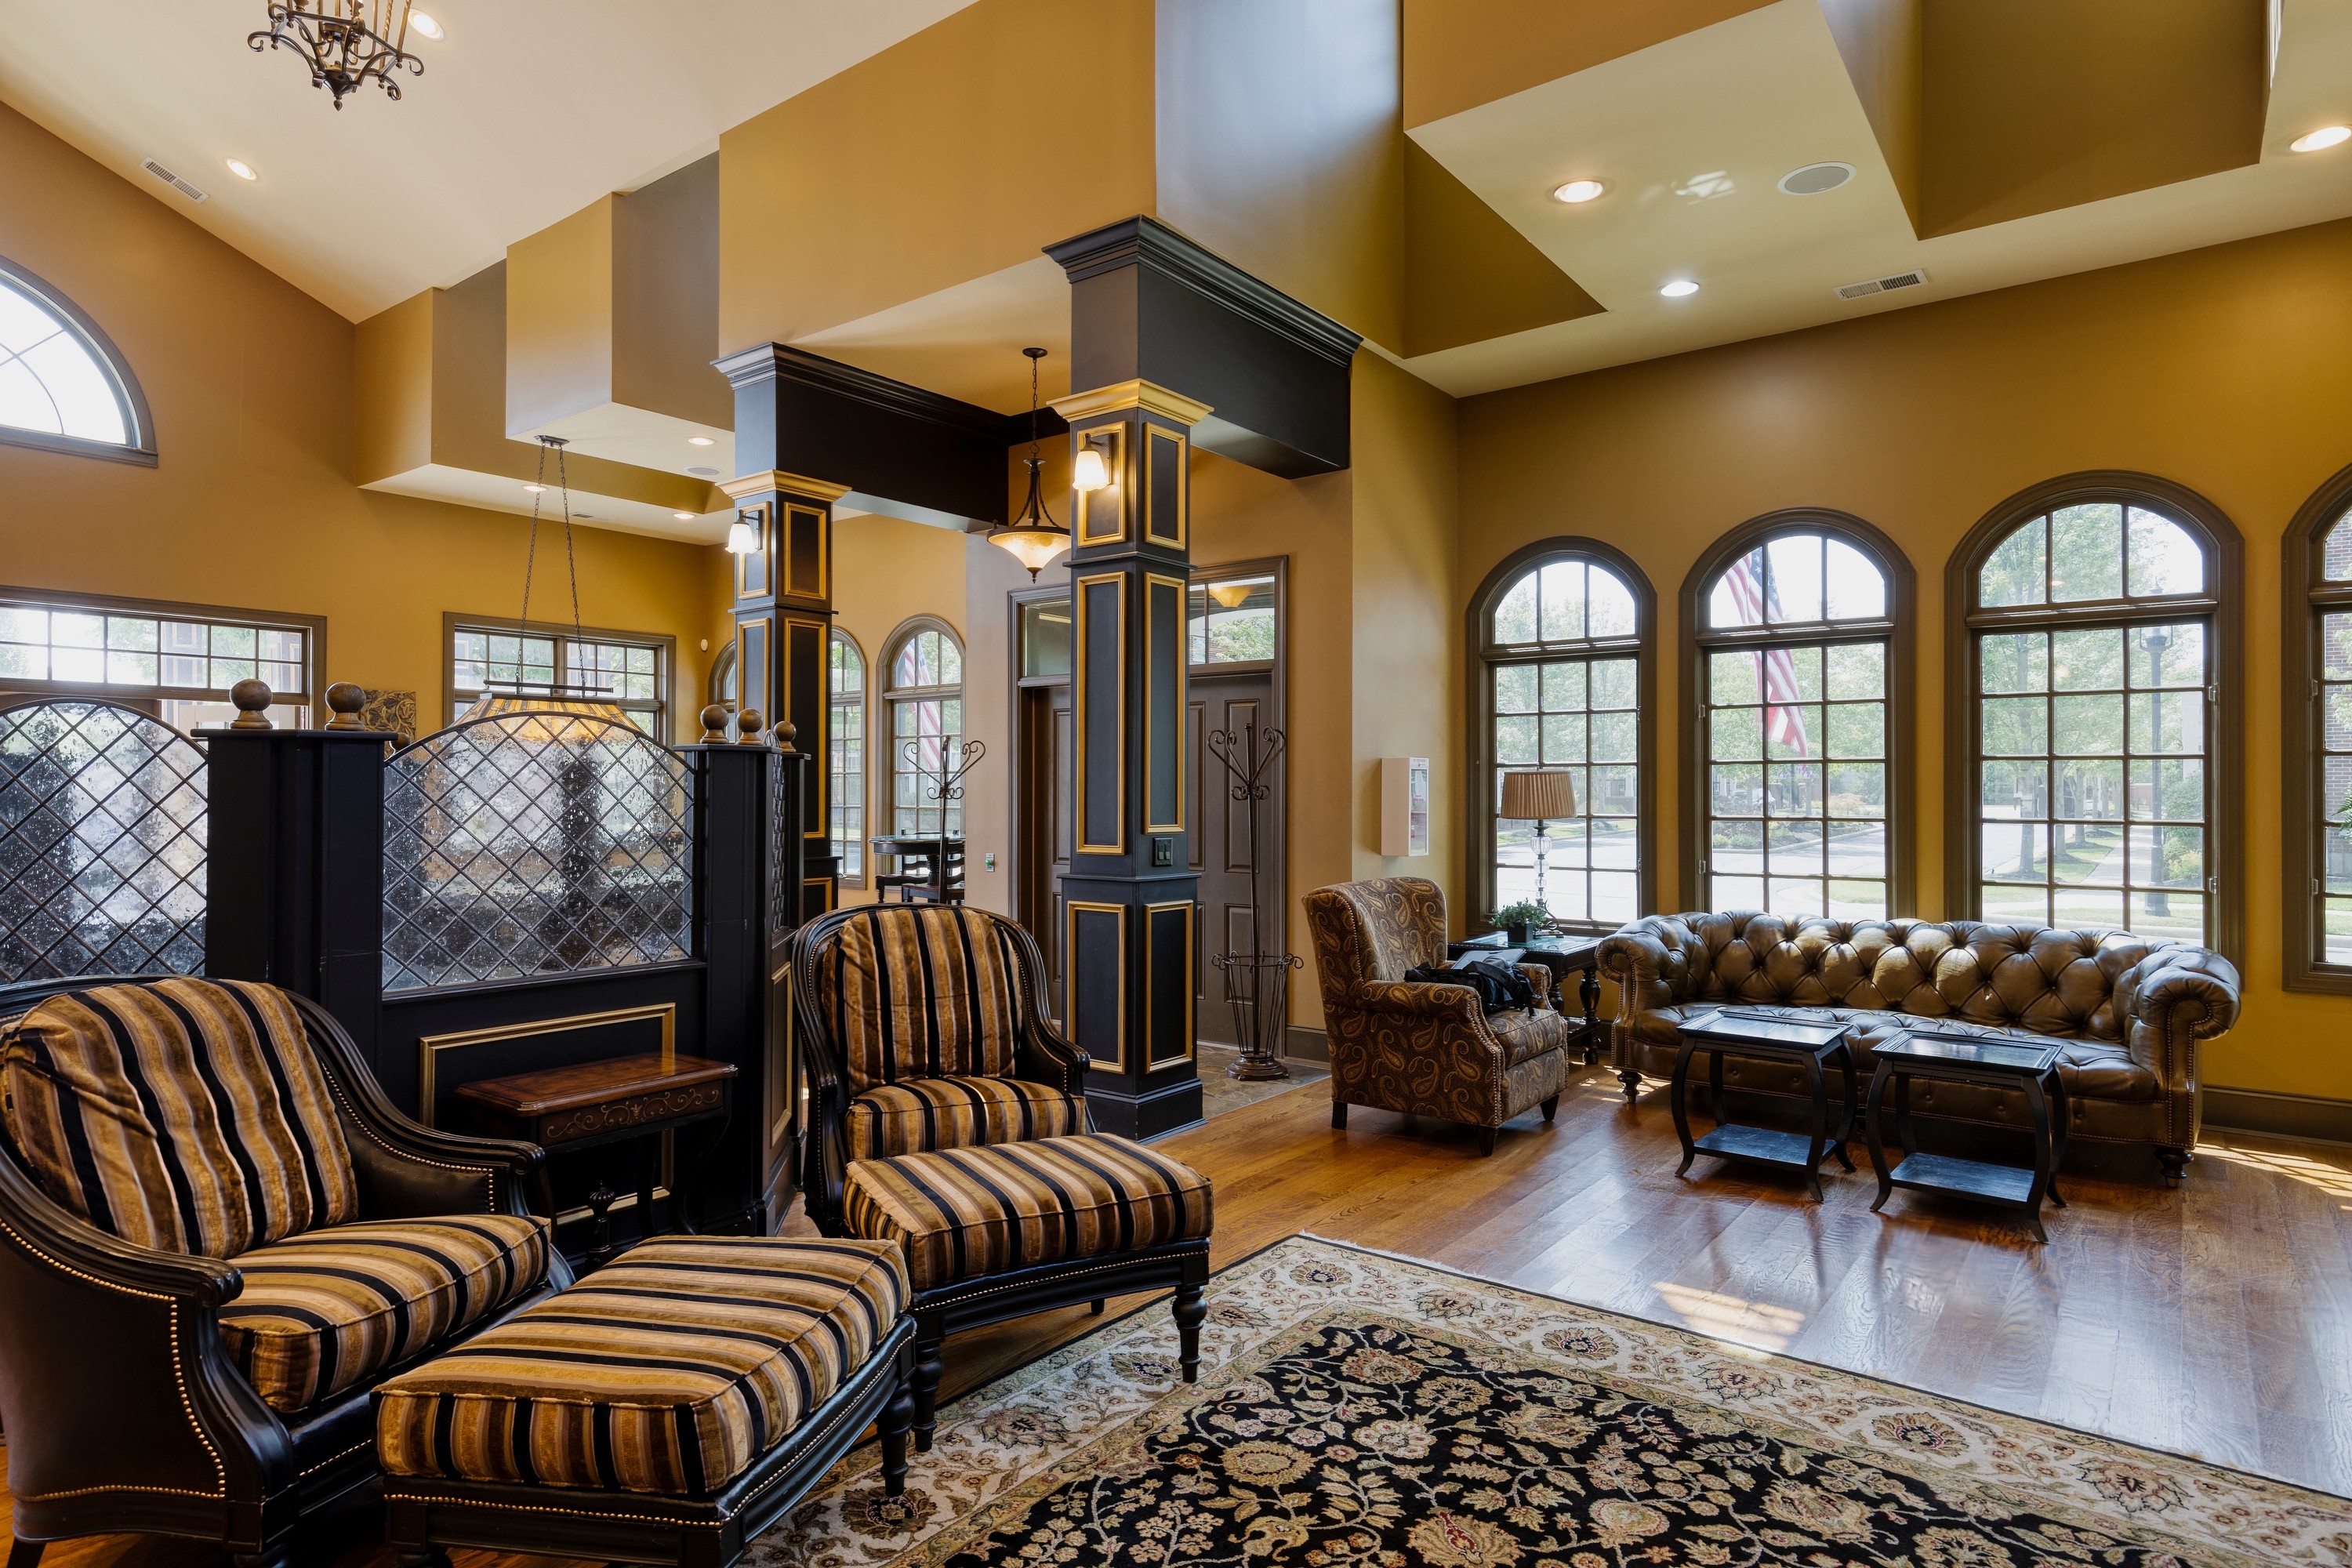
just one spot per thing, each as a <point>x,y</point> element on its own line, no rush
<point>2173,998</point>
<point>1638,962</point>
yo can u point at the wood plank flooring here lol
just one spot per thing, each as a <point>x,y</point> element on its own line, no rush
<point>2215,1320</point>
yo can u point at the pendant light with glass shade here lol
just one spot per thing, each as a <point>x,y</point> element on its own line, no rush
<point>566,698</point>
<point>1034,538</point>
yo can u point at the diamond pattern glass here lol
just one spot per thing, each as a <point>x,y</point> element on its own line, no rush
<point>102,842</point>
<point>534,844</point>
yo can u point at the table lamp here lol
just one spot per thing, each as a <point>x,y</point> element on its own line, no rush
<point>1537,795</point>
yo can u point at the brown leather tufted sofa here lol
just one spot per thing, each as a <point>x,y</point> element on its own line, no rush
<point>1428,1050</point>
<point>2129,1011</point>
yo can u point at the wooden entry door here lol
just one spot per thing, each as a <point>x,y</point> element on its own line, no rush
<point>1222,850</point>
<point>1045,820</point>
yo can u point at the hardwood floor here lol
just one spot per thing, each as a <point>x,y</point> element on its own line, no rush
<point>2216,1320</point>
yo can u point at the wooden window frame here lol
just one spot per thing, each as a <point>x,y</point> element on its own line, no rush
<point>889,696</point>
<point>864,705</point>
<point>1698,639</point>
<point>2305,600</point>
<point>314,649</point>
<point>2223,603</point>
<point>1479,746</point>
<point>138,422</point>
<point>664,645</point>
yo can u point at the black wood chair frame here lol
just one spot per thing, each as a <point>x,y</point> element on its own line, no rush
<point>423,1518</point>
<point>124,1410</point>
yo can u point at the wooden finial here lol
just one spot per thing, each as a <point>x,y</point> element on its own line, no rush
<point>345,701</point>
<point>714,725</point>
<point>747,727</point>
<point>784,737</point>
<point>252,698</point>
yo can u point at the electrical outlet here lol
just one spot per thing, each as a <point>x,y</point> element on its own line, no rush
<point>1163,851</point>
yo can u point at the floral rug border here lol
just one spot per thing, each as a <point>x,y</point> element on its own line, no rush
<point>1006,1443</point>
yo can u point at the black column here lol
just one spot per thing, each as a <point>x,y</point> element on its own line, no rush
<point>295,864</point>
<point>1130,943</point>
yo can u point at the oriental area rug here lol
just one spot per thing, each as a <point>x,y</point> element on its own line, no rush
<point>1359,1410</point>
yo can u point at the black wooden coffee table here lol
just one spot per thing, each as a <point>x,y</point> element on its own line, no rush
<point>1733,1031</point>
<point>1960,1058</point>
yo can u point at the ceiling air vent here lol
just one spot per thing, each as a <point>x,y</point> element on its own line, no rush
<point>173,181</point>
<point>1869,286</point>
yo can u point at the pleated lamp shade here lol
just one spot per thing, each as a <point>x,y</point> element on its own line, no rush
<point>1538,795</point>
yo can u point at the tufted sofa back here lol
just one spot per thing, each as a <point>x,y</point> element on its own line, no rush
<point>2038,978</point>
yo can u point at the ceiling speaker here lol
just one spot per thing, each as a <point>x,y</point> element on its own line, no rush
<point>1814,178</point>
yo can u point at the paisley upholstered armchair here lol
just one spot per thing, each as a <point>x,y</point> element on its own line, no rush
<point>1425,1049</point>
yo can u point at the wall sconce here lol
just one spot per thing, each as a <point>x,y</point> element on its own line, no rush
<point>1088,471</point>
<point>744,534</point>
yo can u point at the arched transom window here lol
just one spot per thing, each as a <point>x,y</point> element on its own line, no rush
<point>1795,651</point>
<point>926,699</point>
<point>60,385</point>
<point>1562,638</point>
<point>2093,670</point>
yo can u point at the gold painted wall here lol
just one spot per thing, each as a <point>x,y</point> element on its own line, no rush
<point>2221,369</point>
<point>1459,54</point>
<point>255,502</point>
<point>950,155</point>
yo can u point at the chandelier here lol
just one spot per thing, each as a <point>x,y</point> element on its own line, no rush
<point>558,700</point>
<point>1034,537</point>
<point>344,42</point>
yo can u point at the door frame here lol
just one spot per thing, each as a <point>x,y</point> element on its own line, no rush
<point>1016,854</point>
<point>1277,673</point>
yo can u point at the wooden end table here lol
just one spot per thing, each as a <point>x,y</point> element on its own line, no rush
<point>625,1100</point>
<point>1563,955</point>
<point>1730,1031</point>
<point>1962,1058</point>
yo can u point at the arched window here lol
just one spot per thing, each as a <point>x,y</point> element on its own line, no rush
<point>62,386</point>
<point>845,754</point>
<point>926,699</point>
<point>1562,630</point>
<point>1798,676</point>
<point>2316,726</point>
<point>2088,649</point>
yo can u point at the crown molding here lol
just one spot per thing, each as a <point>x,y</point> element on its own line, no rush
<point>1126,395</point>
<point>751,485</point>
<point>1145,241</point>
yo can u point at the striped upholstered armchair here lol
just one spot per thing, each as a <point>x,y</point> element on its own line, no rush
<point>216,1238</point>
<point>926,1028</point>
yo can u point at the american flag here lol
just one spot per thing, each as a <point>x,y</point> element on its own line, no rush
<point>1775,672</point>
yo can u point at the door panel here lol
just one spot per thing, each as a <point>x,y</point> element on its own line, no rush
<point>1222,850</point>
<point>1047,822</point>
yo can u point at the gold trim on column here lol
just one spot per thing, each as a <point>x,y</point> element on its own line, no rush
<point>1113,497</point>
<point>786,582</point>
<point>824,490</point>
<point>1126,395</point>
<point>1151,1056</point>
<point>430,1046</point>
<point>764,557</point>
<point>754,637</point>
<point>1071,908</point>
<point>1079,707</point>
<point>1183,588</point>
<point>1153,434</point>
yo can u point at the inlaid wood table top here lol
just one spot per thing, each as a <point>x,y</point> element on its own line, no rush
<point>600,1097</point>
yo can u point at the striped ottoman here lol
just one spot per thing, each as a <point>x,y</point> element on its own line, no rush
<point>674,1401</point>
<point>1008,1229</point>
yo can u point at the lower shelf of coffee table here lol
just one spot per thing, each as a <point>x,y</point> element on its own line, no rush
<point>1964,1178</point>
<point>1761,1145</point>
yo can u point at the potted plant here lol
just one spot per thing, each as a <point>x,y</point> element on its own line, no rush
<point>1519,920</point>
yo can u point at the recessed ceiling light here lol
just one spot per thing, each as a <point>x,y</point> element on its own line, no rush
<point>1680,289</point>
<point>1814,179</point>
<point>427,26</point>
<point>700,441</point>
<point>241,169</point>
<point>2325,136</point>
<point>1578,191</point>
<point>683,516</point>
<point>536,489</point>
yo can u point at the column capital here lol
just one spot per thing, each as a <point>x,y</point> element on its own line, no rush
<point>1143,396</point>
<point>746,486</point>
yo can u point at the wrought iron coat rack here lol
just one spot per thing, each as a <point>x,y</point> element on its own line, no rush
<point>1257,983</point>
